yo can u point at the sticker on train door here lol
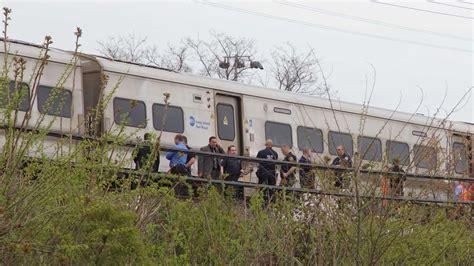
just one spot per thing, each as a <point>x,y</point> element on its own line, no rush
<point>226,121</point>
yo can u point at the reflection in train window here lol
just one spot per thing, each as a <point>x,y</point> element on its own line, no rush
<point>336,139</point>
<point>129,112</point>
<point>398,150</point>
<point>310,138</point>
<point>174,121</point>
<point>20,90</point>
<point>279,133</point>
<point>460,155</point>
<point>425,157</point>
<point>54,101</point>
<point>225,122</point>
<point>370,148</point>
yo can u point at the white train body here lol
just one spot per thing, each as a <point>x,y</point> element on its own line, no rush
<point>243,115</point>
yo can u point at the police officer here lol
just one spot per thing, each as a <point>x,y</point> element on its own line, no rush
<point>143,152</point>
<point>342,160</point>
<point>306,175</point>
<point>287,171</point>
<point>396,181</point>
<point>231,169</point>
<point>266,172</point>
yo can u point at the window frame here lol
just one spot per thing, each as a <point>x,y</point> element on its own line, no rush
<point>398,142</point>
<point>417,162</point>
<point>128,99</point>
<point>279,123</point>
<point>467,158</point>
<point>12,83</point>
<point>311,129</point>
<point>39,107</point>
<point>380,157</point>
<point>172,106</point>
<point>233,117</point>
<point>342,133</point>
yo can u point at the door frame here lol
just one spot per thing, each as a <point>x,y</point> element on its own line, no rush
<point>239,123</point>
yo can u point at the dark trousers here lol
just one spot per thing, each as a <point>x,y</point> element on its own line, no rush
<point>267,178</point>
<point>179,169</point>
<point>239,190</point>
<point>307,181</point>
<point>215,173</point>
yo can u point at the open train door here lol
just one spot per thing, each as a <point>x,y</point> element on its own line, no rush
<point>228,121</point>
<point>92,82</point>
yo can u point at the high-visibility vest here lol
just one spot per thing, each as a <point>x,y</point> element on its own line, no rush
<point>466,193</point>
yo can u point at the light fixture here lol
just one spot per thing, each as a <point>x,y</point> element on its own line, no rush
<point>256,64</point>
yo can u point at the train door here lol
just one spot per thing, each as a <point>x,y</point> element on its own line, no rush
<point>91,89</point>
<point>228,121</point>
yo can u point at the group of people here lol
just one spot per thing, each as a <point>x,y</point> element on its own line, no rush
<point>267,173</point>
<point>182,159</point>
<point>231,169</point>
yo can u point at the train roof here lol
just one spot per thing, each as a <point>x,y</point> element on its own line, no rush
<point>31,50</point>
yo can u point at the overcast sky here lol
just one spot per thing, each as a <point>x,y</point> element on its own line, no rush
<point>411,44</point>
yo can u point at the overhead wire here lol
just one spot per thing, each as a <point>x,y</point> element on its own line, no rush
<point>465,2</point>
<point>371,21</point>
<point>450,5</point>
<point>330,28</point>
<point>421,9</point>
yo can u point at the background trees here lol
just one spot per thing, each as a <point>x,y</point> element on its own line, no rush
<point>286,69</point>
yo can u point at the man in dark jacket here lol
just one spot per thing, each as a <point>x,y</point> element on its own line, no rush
<point>396,181</point>
<point>342,160</point>
<point>144,151</point>
<point>231,169</point>
<point>210,165</point>
<point>266,172</point>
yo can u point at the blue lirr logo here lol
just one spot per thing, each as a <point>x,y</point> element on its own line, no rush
<point>192,121</point>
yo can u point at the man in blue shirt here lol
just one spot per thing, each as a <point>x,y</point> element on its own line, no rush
<point>177,158</point>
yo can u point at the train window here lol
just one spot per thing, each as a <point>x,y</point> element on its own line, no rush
<point>225,122</point>
<point>278,132</point>
<point>460,155</point>
<point>24,94</point>
<point>54,101</point>
<point>174,118</point>
<point>129,112</point>
<point>370,148</point>
<point>398,150</point>
<point>425,156</point>
<point>310,138</point>
<point>336,138</point>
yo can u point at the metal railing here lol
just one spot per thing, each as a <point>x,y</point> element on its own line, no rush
<point>320,166</point>
<point>299,190</point>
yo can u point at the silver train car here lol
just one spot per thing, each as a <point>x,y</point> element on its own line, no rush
<point>244,116</point>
